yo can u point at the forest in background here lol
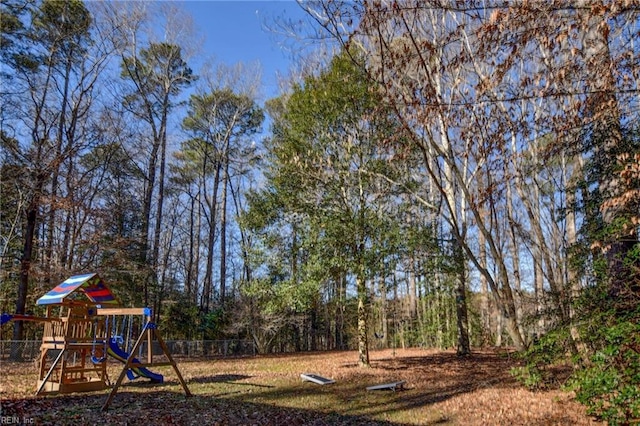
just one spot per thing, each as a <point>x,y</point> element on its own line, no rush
<point>436,174</point>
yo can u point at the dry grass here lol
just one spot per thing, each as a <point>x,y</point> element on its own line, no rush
<point>441,388</point>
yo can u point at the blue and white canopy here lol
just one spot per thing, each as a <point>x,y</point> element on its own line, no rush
<point>89,285</point>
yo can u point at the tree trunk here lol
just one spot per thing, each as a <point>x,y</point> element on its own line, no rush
<point>538,278</point>
<point>189,280</point>
<point>146,213</point>
<point>499,327</point>
<point>25,266</point>
<point>341,283</point>
<point>510,228</point>
<point>485,312</point>
<point>413,299</point>
<point>313,335</point>
<point>244,239</point>
<point>604,109</point>
<point>208,275</point>
<point>572,281</point>
<point>223,233</point>
<point>383,334</point>
<point>51,222</point>
<point>363,343</point>
<point>463,347</point>
<point>27,256</point>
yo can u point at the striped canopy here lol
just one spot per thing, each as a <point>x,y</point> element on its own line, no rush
<point>91,285</point>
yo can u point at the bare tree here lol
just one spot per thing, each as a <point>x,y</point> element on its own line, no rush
<point>56,70</point>
<point>222,120</point>
<point>482,89</point>
<point>156,72</point>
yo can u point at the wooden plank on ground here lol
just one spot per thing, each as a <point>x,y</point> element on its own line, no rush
<point>309,377</point>
<point>391,385</point>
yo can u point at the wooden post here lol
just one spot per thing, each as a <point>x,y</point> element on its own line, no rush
<point>173,363</point>
<point>48,375</point>
<point>126,367</point>
<point>150,332</point>
<point>149,344</point>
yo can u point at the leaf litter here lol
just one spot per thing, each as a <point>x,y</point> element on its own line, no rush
<point>441,388</point>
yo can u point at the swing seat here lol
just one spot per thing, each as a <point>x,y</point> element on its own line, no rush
<point>97,361</point>
<point>98,351</point>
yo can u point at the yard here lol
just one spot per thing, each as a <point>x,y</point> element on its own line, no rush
<point>440,388</point>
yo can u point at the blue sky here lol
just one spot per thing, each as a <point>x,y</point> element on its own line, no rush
<point>235,31</point>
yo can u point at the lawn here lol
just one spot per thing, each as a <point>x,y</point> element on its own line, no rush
<point>441,389</point>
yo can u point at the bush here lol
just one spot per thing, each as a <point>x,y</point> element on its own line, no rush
<point>610,385</point>
<point>542,355</point>
<point>529,376</point>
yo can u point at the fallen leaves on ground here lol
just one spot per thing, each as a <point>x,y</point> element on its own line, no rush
<point>441,388</point>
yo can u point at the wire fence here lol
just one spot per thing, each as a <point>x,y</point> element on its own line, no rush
<point>29,350</point>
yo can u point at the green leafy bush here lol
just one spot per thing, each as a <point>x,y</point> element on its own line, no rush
<point>546,351</point>
<point>610,386</point>
<point>529,376</point>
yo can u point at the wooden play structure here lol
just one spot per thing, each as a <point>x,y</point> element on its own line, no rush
<point>81,330</point>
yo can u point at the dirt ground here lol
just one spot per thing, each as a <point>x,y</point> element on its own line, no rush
<point>440,389</point>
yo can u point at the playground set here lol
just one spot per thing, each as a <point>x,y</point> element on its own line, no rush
<point>83,325</point>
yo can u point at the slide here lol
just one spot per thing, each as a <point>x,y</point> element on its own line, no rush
<point>115,351</point>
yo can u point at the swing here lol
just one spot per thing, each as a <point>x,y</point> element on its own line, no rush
<point>128,338</point>
<point>122,342</point>
<point>94,358</point>
<point>118,337</point>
